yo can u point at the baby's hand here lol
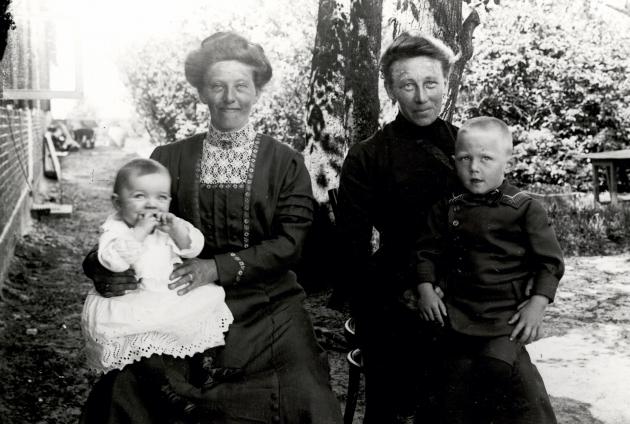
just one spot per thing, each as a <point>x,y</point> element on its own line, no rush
<point>175,228</point>
<point>144,226</point>
<point>430,303</point>
<point>165,221</point>
<point>528,319</point>
<point>169,223</point>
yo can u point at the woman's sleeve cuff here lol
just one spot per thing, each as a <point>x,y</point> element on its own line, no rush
<point>230,268</point>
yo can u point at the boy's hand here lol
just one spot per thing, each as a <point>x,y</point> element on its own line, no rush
<point>528,319</point>
<point>430,303</point>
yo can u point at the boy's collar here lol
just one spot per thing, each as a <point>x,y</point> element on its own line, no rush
<point>490,198</point>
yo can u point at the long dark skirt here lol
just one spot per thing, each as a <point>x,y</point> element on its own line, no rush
<point>285,377</point>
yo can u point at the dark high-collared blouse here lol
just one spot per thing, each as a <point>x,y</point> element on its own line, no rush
<point>484,250</point>
<point>389,182</point>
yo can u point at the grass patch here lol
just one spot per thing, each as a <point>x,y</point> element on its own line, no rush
<point>586,229</point>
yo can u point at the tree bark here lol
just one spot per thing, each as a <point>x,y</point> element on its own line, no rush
<point>443,20</point>
<point>464,53</point>
<point>362,74</point>
<point>6,19</point>
<point>327,113</point>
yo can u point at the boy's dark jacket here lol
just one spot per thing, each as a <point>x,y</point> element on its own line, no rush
<point>483,250</point>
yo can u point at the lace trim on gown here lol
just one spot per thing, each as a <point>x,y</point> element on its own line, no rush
<point>106,353</point>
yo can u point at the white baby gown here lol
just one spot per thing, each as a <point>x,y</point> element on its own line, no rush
<point>152,319</point>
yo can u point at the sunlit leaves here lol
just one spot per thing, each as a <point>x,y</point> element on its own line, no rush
<point>169,106</point>
<point>559,79</point>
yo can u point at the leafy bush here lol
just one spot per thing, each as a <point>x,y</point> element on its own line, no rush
<point>591,230</point>
<point>169,106</point>
<point>559,78</point>
<point>162,96</point>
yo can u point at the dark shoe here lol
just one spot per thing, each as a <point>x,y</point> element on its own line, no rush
<point>219,375</point>
<point>180,404</point>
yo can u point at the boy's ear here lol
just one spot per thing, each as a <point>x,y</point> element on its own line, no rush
<point>115,201</point>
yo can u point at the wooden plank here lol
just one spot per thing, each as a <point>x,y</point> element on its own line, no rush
<point>613,154</point>
<point>24,94</point>
<point>595,182</point>
<point>52,209</point>
<point>613,185</point>
<point>53,155</point>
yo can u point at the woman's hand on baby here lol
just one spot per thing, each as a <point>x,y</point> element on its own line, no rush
<point>430,303</point>
<point>111,284</point>
<point>193,273</point>
<point>528,319</point>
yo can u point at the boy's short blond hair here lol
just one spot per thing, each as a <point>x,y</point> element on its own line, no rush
<point>488,123</point>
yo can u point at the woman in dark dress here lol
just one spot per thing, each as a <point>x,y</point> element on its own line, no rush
<point>390,181</point>
<point>251,198</point>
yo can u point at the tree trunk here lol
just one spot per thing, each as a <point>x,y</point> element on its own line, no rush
<point>362,74</point>
<point>443,20</point>
<point>6,19</point>
<point>327,113</point>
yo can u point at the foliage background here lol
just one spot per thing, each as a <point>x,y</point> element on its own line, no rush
<point>169,106</point>
<point>555,71</point>
<point>557,74</point>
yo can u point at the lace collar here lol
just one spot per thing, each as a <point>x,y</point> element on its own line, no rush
<point>230,139</point>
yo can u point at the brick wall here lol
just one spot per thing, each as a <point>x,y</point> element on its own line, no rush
<point>21,137</point>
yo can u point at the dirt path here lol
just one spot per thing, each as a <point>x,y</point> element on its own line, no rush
<point>41,356</point>
<point>586,356</point>
<point>43,378</point>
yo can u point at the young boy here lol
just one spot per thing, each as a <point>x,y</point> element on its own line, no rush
<point>492,252</point>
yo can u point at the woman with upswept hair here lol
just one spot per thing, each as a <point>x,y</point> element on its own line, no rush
<point>251,198</point>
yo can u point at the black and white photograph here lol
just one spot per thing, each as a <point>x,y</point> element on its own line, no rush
<point>315,211</point>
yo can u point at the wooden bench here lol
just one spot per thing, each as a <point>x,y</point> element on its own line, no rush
<point>611,162</point>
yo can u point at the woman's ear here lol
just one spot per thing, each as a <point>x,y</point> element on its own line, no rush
<point>202,96</point>
<point>388,90</point>
<point>257,96</point>
<point>390,94</point>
